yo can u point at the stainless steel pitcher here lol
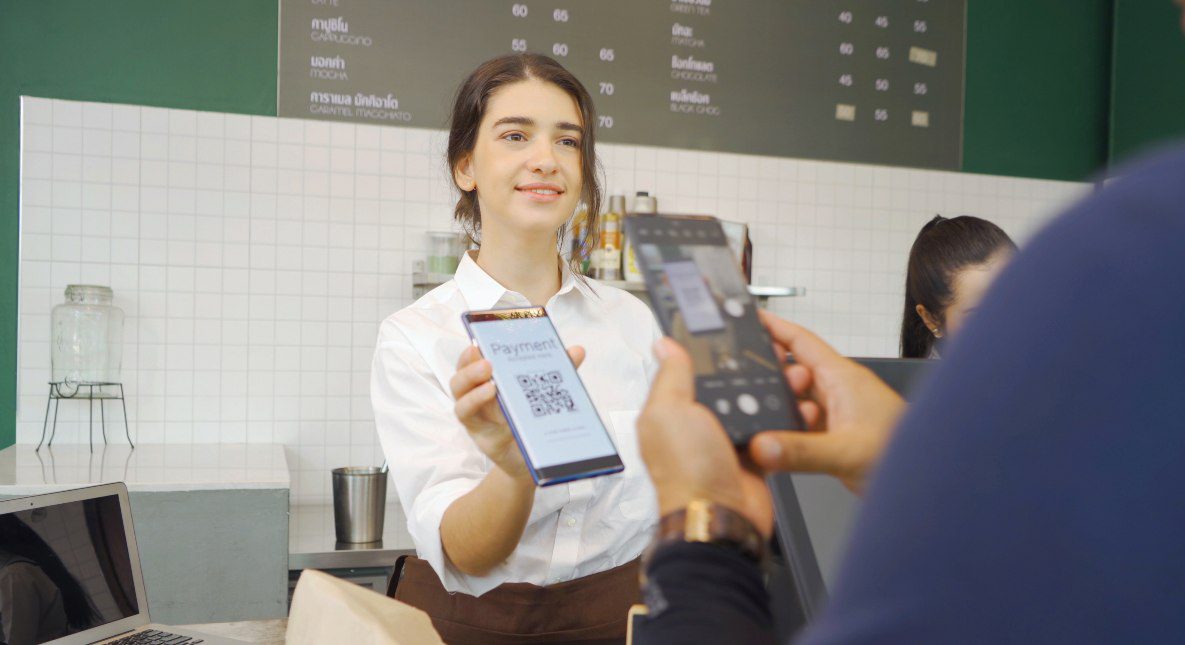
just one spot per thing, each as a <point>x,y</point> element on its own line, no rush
<point>359,503</point>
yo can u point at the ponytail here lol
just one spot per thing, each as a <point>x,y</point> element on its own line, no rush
<point>943,248</point>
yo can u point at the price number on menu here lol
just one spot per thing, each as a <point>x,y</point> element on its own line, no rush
<point>606,88</point>
<point>519,10</point>
<point>920,89</point>
<point>880,114</point>
<point>518,44</point>
<point>919,26</point>
<point>845,80</point>
<point>559,49</point>
<point>607,54</point>
<point>845,17</point>
<point>882,53</point>
<point>560,15</point>
<point>604,121</point>
<point>882,85</point>
<point>847,49</point>
<point>882,22</point>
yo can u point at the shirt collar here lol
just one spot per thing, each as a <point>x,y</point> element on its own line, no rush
<point>481,291</point>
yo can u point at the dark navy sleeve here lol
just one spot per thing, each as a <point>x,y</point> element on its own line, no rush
<point>701,593</point>
<point>1035,492</point>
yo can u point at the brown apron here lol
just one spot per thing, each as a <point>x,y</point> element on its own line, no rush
<point>587,611</point>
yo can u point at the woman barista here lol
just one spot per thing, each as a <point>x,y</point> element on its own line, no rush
<point>501,560</point>
<point>951,265</point>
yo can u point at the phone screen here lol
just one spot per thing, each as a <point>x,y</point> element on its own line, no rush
<point>701,300</point>
<point>551,414</point>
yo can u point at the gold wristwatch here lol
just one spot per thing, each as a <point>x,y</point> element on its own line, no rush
<point>705,521</point>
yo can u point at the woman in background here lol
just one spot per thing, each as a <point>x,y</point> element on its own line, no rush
<point>951,265</point>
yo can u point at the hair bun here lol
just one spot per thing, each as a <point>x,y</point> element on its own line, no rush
<point>937,219</point>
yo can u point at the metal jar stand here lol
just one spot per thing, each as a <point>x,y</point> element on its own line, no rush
<point>59,390</point>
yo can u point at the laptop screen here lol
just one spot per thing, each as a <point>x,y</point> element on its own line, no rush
<point>64,568</point>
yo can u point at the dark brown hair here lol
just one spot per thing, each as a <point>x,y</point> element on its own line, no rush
<point>942,249</point>
<point>470,107</point>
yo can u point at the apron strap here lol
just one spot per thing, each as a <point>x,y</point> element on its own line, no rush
<point>396,575</point>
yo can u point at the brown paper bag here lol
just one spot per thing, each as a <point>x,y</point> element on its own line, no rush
<point>326,609</point>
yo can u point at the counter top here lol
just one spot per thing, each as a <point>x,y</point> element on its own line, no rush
<point>148,467</point>
<point>312,543</point>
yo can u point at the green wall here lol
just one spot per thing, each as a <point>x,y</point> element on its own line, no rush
<point>1148,104</point>
<point>1038,87</point>
<point>196,54</point>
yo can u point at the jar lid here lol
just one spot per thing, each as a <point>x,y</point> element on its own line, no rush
<point>86,291</point>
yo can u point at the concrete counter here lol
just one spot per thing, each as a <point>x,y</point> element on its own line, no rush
<point>211,520</point>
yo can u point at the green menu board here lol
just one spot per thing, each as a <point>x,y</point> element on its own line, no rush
<point>872,81</point>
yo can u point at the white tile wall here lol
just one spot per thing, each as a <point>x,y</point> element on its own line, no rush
<point>255,256</point>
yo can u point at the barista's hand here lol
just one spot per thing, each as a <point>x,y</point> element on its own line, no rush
<point>850,412</point>
<point>477,408</point>
<point>687,451</point>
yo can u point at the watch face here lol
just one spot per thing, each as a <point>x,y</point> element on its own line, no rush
<point>709,523</point>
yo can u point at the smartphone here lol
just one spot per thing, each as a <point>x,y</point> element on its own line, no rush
<point>702,301</point>
<point>551,415</point>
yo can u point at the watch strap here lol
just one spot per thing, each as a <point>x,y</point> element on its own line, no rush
<point>707,522</point>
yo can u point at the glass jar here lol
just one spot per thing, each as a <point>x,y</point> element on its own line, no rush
<point>87,336</point>
<point>444,251</point>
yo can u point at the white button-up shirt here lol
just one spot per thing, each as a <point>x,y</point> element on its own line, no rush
<point>574,529</point>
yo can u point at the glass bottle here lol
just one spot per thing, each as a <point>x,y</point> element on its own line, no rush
<point>645,205</point>
<point>609,267</point>
<point>87,336</point>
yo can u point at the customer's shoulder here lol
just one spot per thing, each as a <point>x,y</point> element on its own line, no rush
<point>1167,160</point>
<point>1127,233</point>
<point>1139,204</point>
<point>1156,179</point>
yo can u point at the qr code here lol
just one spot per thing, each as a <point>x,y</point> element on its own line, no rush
<point>546,393</point>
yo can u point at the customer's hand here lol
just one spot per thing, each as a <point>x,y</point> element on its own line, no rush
<point>850,412</point>
<point>686,450</point>
<point>477,409</point>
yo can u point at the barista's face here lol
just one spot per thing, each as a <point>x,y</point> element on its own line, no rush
<point>525,163</point>
<point>969,287</point>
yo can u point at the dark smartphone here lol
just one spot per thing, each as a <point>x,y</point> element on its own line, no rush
<point>558,430</point>
<point>702,301</point>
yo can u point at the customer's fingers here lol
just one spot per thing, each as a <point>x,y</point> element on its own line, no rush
<point>470,376</point>
<point>799,452</point>
<point>800,379</point>
<point>812,414</point>
<point>470,404</point>
<point>576,353</point>
<point>807,348</point>
<point>780,352</point>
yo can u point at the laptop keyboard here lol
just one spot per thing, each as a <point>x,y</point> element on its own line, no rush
<point>156,637</point>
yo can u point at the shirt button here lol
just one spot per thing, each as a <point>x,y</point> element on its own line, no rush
<point>571,521</point>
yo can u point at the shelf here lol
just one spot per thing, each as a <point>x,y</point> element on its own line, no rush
<point>428,280</point>
<point>422,279</point>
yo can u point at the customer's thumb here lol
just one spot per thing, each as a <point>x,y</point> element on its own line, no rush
<point>675,380</point>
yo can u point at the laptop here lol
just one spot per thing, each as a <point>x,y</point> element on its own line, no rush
<point>73,556</point>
